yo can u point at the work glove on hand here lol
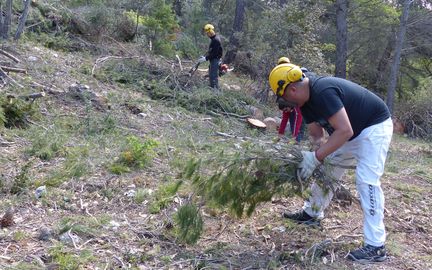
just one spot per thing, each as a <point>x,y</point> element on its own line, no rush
<point>308,164</point>
<point>202,59</point>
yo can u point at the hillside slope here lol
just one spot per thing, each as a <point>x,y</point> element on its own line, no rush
<point>104,208</point>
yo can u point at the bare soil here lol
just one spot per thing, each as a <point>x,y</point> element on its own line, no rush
<point>134,238</point>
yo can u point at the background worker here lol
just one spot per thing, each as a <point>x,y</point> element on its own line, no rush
<point>214,55</point>
<point>360,129</point>
<point>292,114</point>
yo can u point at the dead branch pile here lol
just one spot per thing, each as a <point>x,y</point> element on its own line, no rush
<point>416,116</point>
<point>7,64</point>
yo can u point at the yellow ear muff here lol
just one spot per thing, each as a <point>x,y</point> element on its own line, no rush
<point>295,74</point>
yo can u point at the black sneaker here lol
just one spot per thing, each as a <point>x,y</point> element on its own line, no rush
<point>301,217</point>
<point>368,254</point>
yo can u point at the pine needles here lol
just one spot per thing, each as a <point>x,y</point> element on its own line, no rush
<point>239,180</point>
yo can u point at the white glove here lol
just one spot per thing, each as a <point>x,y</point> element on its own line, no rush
<point>308,164</point>
<point>201,59</point>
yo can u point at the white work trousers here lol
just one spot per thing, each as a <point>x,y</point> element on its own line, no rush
<point>368,151</point>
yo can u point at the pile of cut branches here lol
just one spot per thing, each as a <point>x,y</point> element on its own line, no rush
<point>240,180</point>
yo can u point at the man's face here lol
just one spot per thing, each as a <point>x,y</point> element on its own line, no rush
<point>288,97</point>
<point>284,105</point>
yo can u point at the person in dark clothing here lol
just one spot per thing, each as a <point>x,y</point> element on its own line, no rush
<point>360,128</point>
<point>213,55</point>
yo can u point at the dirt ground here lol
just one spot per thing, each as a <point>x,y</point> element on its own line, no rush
<point>90,222</point>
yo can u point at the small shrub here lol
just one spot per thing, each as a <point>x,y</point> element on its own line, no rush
<point>164,196</point>
<point>190,223</point>
<point>14,112</point>
<point>140,196</point>
<point>68,260</point>
<point>416,113</point>
<point>22,180</point>
<point>137,154</point>
<point>46,145</point>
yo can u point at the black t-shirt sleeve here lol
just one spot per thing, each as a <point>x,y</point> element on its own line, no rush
<point>331,104</point>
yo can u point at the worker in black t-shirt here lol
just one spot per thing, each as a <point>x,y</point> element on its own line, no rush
<point>214,55</point>
<point>360,129</point>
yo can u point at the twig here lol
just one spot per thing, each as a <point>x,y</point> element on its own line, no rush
<point>118,259</point>
<point>348,235</point>
<point>73,240</point>
<point>36,124</point>
<point>318,249</point>
<point>38,260</point>
<point>31,96</point>
<point>13,69</point>
<point>223,229</point>
<point>103,59</point>
<point>85,243</point>
<point>3,74</point>
<point>5,53</point>
<point>179,61</point>
<point>118,43</point>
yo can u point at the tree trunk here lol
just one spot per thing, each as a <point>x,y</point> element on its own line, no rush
<point>1,19</point>
<point>378,80</point>
<point>178,6</point>
<point>207,6</point>
<point>341,38</point>
<point>7,20</point>
<point>397,55</point>
<point>22,19</point>
<point>237,31</point>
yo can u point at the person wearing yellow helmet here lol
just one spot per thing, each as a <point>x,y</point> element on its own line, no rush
<point>213,55</point>
<point>291,115</point>
<point>283,60</point>
<point>359,128</point>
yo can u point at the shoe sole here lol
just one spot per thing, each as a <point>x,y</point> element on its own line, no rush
<point>366,261</point>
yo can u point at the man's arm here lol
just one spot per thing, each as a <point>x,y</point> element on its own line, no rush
<point>316,133</point>
<point>342,133</point>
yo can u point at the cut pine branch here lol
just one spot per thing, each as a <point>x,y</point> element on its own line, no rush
<point>238,180</point>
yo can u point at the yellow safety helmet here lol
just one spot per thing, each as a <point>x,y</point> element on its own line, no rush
<point>282,75</point>
<point>208,27</point>
<point>283,60</point>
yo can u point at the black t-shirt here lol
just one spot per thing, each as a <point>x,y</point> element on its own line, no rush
<point>329,94</point>
<point>215,48</point>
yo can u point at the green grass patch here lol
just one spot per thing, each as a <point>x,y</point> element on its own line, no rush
<point>137,154</point>
<point>68,260</point>
<point>163,196</point>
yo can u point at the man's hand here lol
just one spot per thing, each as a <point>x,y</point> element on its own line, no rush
<point>308,164</point>
<point>202,59</point>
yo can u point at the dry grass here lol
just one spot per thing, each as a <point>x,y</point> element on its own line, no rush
<point>112,227</point>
